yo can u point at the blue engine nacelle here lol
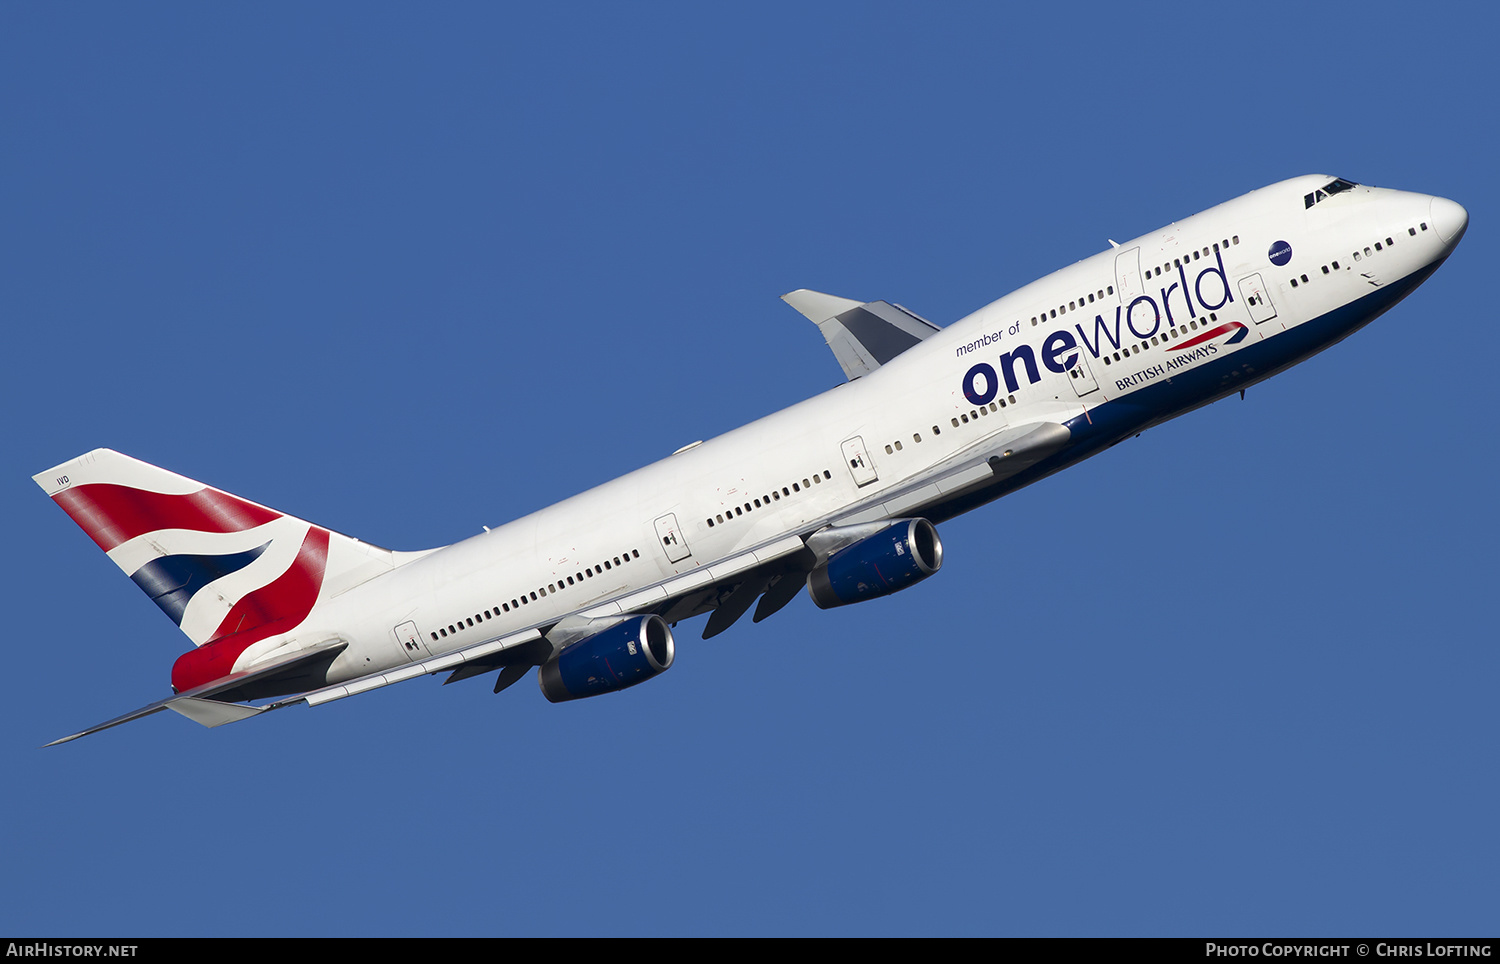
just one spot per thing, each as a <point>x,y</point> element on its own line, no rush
<point>623,655</point>
<point>906,552</point>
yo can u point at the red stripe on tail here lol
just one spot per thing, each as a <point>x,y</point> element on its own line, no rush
<point>112,514</point>
<point>278,607</point>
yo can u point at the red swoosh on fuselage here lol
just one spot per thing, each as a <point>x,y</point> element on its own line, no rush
<point>1207,335</point>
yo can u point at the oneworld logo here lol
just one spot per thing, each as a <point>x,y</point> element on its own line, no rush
<point>1280,253</point>
<point>1143,317</point>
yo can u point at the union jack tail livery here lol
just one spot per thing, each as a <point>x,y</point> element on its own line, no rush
<point>235,576</point>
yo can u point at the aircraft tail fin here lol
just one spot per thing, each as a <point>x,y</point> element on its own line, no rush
<point>216,564</point>
<point>862,335</point>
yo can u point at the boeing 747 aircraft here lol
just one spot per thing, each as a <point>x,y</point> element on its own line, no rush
<point>839,494</point>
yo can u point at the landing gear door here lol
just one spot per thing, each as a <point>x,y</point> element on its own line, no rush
<point>669,535</point>
<point>1256,299</point>
<point>858,460</point>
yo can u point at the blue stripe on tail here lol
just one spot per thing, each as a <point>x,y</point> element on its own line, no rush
<point>171,581</point>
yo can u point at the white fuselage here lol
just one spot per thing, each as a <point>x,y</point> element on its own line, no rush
<point>1112,326</point>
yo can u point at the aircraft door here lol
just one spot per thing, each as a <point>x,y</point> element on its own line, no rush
<point>410,641</point>
<point>1256,298</point>
<point>669,534</point>
<point>1128,275</point>
<point>859,462</point>
<point>1081,376</point>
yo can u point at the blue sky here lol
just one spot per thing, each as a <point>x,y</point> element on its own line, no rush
<point>407,272</point>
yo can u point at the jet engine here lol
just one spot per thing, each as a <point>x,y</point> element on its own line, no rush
<point>623,655</point>
<point>897,556</point>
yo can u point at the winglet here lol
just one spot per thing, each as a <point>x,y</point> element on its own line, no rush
<point>817,306</point>
<point>862,335</point>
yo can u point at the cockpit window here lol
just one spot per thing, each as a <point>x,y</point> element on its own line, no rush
<point>1335,186</point>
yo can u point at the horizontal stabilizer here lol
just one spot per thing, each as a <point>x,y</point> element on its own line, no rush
<point>187,703</point>
<point>862,335</point>
<point>212,712</point>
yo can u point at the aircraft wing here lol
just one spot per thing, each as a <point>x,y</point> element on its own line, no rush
<point>862,335</point>
<point>532,647</point>
<point>774,573</point>
<point>992,460</point>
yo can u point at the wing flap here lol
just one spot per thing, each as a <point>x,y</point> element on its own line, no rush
<point>428,666</point>
<point>483,654</point>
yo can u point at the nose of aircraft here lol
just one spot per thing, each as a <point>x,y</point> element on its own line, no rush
<point>1449,220</point>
